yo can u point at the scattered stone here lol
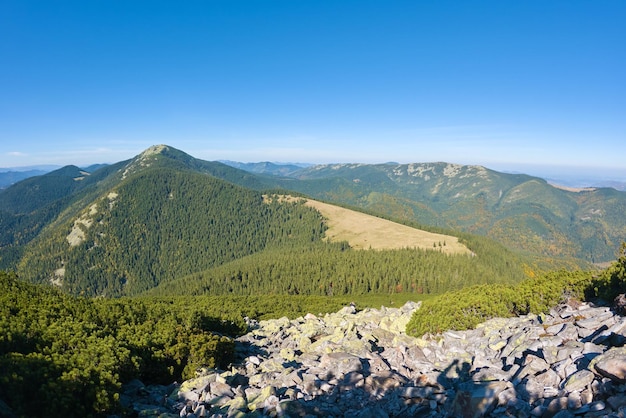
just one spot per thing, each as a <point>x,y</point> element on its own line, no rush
<point>567,363</point>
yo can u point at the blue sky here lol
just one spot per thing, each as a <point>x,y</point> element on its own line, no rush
<point>511,85</point>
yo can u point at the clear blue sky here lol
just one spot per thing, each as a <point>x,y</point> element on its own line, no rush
<point>505,84</point>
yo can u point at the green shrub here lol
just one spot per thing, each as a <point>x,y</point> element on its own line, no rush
<point>207,350</point>
<point>462,309</point>
<point>543,293</point>
<point>71,355</point>
<point>466,308</point>
<point>612,281</point>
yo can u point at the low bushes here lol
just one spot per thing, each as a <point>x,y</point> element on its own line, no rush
<point>466,308</point>
<point>71,355</point>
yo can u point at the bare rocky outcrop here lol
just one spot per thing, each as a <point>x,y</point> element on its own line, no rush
<point>568,363</point>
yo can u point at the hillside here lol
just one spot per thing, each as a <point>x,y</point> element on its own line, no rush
<point>155,224</point>
<point>167,217</point>
<point>363,231</point>
<point>524,213</point>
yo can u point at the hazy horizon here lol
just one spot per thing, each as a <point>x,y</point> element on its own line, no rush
<point>562,175</point>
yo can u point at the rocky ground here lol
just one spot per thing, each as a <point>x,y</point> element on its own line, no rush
<point>568,363</point>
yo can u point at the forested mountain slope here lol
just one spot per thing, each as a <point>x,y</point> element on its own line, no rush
<point>156,224</point>
<point>30,205</point>
<point>338,270</point>
<point>524,213</point>
<point>7,178</point>
<point>165,215</point>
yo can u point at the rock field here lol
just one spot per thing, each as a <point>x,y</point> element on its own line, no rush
<point>569,363</point>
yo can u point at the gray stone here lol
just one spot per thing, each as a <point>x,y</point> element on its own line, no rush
<point>611,364</point>
<point>554,406</point>
<point>371,412</point>
<point>534,365</point>
<point>574,400</point>
<point>563,414</point>
<point>383,382</point>
<point>549,378</point>
<point>477,399</point>
<point>353,363</point>
<point>290,408</point>
<point>617,401</point>
<point>219,389</point>
<point>421,392</point>
<point>578,380</point>
<point>341,363</point>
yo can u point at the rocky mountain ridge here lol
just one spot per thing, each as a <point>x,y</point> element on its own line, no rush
<point>568,363</point>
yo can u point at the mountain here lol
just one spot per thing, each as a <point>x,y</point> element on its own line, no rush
<point>129,226</point>
<point>276,169</point>
<point>164,215</point>
<point>524,213</point>
<point>30,205</point>
<point>11,177</point>
<point>38,191</point>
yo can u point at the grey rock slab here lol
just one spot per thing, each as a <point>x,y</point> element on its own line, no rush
<point>477,399</point>
<point>611,364</point>
<point>578,380</point>
<point>341,363</point>
<point>617,401</point>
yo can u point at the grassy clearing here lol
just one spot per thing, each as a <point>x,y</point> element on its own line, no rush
<point>364,231</point>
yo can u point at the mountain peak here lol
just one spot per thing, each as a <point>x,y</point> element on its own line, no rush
<point>151,155</point>
<point>155,149</point>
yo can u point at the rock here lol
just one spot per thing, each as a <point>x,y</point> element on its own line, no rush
<point>617,401</point>
<point>477,399</point>
<point>578,380</point>
<point>611,364</point>
<point>362,363</point>
<point>371,412</point>
<point>258,398</point>
<point>219,389</point>
<point>382,383</point>
<point>273,365</point>
<point>341,363</point>
<point>290,408</point>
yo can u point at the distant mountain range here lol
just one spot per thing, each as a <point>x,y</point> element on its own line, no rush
<point>276,169</point>
<point>553,176</point>
<point>523,212</point>
<point>9,176</point>
<point>125,228</point>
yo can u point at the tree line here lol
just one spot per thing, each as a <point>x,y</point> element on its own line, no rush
<point>335,269</point>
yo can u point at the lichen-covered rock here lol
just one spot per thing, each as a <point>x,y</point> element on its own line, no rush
<point>612,364</point>
<point>361,363</point>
